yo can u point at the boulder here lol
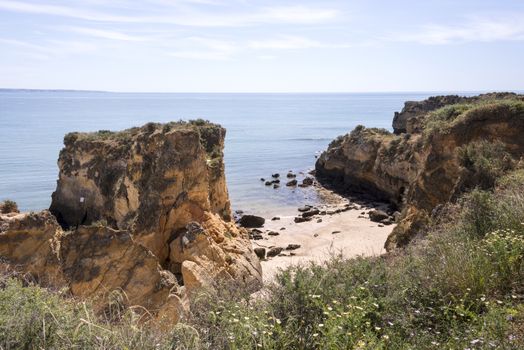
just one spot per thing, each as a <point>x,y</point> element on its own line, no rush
<point>310,212</point>
<point>304,208</point>
<point>292,246</point>
<point>251,221</point>
<point>378,215</point>
<point>308,181</point>
<point>276,176</point>
<point>300,219</point>
<point>292,183</point>
<point>274,252</point>
<point>291,175</point>
<point>260,252</point>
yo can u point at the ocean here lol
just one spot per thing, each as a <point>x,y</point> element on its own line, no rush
<point>266,134</point>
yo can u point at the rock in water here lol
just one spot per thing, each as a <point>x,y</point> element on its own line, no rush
<point>308,181</point>
<point>378,215</point>
<point>292,183</point>
<point>251,221</point>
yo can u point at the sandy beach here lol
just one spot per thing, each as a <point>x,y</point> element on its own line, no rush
<point>348,233</point>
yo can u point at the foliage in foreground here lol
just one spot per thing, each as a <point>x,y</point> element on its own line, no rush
<point>462,287</point>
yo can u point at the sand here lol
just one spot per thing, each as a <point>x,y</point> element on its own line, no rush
<point>318,242</point>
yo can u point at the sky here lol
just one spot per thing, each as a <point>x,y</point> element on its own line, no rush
<point>262,46</point>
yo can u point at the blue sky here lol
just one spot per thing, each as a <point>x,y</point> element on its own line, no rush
<point>262,46</point>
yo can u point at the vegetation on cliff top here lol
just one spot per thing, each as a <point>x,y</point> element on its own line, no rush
<point>460,287</point>
<point>127,134</point>
<point>443,119</point>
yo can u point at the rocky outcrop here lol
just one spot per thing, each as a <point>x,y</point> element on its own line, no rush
<point>407,120</point>
<point>151,181</point>
<point>143,212</point>
<point>30,244</point>
<point>371,162</point>
<point>420,170</point>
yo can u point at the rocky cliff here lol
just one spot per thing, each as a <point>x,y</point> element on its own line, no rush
<point>143,211</point>
<point>463,144</point>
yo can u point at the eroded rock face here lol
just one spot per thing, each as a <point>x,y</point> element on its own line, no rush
<point>370,161</point>
<point>30,243</point>
<point>151,181</point>
<point>145,213</point>
<point>420,170</point>
<point>98,260</point>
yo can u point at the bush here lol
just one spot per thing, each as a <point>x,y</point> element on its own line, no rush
<point>8,206</point>
<point>34,318</point>
<point>486,161</point>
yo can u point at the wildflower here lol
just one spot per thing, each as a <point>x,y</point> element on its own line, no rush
<point>321,325</point>
<point>315,335</point>
<point>278,321</point>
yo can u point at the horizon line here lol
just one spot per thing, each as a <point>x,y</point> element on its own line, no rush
<point>259,92</point>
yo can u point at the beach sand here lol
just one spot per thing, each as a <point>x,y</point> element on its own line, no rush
<point>354,235</point>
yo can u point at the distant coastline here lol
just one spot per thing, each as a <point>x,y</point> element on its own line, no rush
<point>50,90</point>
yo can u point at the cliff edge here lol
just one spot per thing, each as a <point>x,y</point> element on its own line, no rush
<point>441,147</point>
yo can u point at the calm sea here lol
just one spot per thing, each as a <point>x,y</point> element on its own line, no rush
<point>266,133</point>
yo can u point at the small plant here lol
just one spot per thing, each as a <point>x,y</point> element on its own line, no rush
<point>8,206</point>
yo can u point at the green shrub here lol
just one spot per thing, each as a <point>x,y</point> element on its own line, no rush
<point>8,206</point>
<point>486,161</point>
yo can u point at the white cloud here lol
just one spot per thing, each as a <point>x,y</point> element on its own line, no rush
<point>201,48</point>
<point>183,16</point>
<point>473,29</point>
<point>105,34</point>
<point>284,42</point>
<point>290,42</point>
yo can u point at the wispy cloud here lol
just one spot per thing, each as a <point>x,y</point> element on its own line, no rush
<point>472,29</point>
<point>183,16</point>
<point>105,34</point>
<point>201,48</point>
<point>291,42</point>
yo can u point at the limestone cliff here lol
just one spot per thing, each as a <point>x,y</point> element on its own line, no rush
<point>425,168</point>
<point>408,121</point>
<point>152,180</point>
<point>144,211</point>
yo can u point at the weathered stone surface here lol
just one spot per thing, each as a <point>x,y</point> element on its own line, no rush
<point>29,243</point>
<point>421,170</point>
<point>217,249</point>
<point>151,180</point>
<point>98,260</point>
<point>370,162</point>
<point>147,213</point>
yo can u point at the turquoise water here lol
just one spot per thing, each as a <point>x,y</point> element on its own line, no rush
<point>266,133</point>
